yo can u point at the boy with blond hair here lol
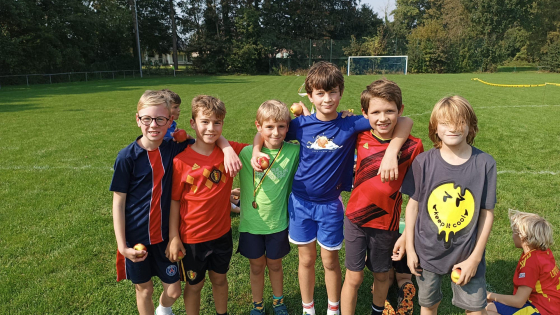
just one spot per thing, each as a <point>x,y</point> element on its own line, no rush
<point>449,216</point>
<point>536,278</point>
<point>199,223</point>
<point>263,228</point>
<point>327,144</point>
<point>371,224</point>
<point>175,103</point>
<point>141,188</point>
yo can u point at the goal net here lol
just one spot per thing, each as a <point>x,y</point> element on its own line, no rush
<point>377,65</point>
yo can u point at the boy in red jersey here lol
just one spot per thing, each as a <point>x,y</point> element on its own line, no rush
<point>199,223</point>
<point>536,279</point>
<point>371,224</point>
<point>141,188</point>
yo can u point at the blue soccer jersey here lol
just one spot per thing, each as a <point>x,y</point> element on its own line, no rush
<point>146,178</point>
<point>171,129</point>
<point>326,157</point>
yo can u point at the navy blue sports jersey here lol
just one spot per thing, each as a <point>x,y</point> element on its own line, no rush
<point>146,178</point>
<point>326,158</point>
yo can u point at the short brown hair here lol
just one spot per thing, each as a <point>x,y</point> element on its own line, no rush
<point>383,88</point>
<point>273,110</point>
<point>208,105</point>
<point>153,98</point>
<point>533,230</point>
<point>456,111</point>
<point>324,75</point>
<point>175,98</point>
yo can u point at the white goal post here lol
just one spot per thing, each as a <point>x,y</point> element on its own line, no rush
<point>377,64</point>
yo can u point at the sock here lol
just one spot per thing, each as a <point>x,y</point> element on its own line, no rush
<point>376,310</point>
<point>308,308</point>
<point>258,305</point>
<point>161,310</point>
<point>277,300</point>
<point>332,308</point>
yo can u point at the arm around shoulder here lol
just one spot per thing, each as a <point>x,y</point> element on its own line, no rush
<point>389,167</point>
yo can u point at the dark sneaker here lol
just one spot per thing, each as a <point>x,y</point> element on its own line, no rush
<point>405,296</point>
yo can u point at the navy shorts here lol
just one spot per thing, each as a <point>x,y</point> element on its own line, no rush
<point>156,264</point>
<point>213,255</point>
<point>310,221</point>
<point>274,246</point>
<point>527,309</point>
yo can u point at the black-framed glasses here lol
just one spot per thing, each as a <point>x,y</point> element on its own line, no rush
<point>147,120</point>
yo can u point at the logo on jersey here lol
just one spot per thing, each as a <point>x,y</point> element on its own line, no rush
<point>451,210</point>
<point>215,176</point>
<point>171,270</point>
<point>521,275</point>
<point>191,275</point>
<point>323,143</point>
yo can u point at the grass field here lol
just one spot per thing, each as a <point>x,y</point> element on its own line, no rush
<point>59,143</point>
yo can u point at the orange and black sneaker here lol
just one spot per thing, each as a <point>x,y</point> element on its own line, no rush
<point>388,310</point>
<point>405,306</point>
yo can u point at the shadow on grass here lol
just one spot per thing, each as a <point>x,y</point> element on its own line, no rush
<point>499,275</point>
<point>14,107</point>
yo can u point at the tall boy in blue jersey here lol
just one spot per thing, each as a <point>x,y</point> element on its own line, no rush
<point>327,143</point>
<point>141,201</point>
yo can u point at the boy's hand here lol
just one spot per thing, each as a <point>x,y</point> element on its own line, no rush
<point>173,248</point>
<point>389,168</point>
<point>347,113</point>
<point>295,109</point>
<point>412,262</point>
<point>131,254</point>
<point>399,249</point>
<point>468,270</point>
<point>256,166</point>
<point>232,164</point>
<point>234,196</point>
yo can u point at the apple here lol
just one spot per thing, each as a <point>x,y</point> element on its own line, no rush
<point>263,162</point>
<point>296,109</point>
<point>180,255</point>
<point>140,247</point>
<point>455,275</point>
<point>180,135</point>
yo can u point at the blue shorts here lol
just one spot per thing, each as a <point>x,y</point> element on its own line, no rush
<point>527,309</point>
<point>254,246</point>
<point>156,264</point>
<point>310,221</point>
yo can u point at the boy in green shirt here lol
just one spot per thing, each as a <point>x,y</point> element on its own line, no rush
<point>263,236</point>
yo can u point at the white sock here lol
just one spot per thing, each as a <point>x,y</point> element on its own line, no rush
<point>308,308</point>
<point>333,308</point>
<point>161,310</point>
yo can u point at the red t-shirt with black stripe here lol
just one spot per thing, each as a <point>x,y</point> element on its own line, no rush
<point>375,204</point>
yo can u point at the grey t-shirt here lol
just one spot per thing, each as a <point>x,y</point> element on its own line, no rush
<point>449,201</point>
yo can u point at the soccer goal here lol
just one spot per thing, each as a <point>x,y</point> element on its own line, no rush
<point>377,64</point>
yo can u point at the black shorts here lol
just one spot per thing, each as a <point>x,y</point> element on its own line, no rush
<point>401,265</point>
<point>156,264</point>
<point>213,255</point>
<point>253,246</point>
<point>368,247</point>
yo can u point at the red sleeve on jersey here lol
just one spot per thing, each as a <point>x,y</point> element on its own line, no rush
<point>528,271</point>
<point>237,147</point>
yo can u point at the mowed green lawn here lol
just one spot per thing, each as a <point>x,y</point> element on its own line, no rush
<point>59,143</point>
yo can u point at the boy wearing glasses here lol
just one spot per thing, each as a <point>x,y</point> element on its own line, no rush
<point>141,188</point>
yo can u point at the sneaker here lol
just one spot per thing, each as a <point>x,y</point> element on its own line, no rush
<point>255,311</point>
<point>404,300</point>
<point>388,310</point>
<point>155,312</point>
<point>280,309</point>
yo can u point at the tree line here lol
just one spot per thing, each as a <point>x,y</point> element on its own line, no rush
<point>242,36</point>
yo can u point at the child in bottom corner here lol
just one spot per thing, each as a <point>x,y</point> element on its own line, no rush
<point>536,279</point>
<point>263,228</point>
<point>449,216</point>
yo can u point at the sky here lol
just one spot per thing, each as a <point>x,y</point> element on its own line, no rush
<point>380,5</point>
